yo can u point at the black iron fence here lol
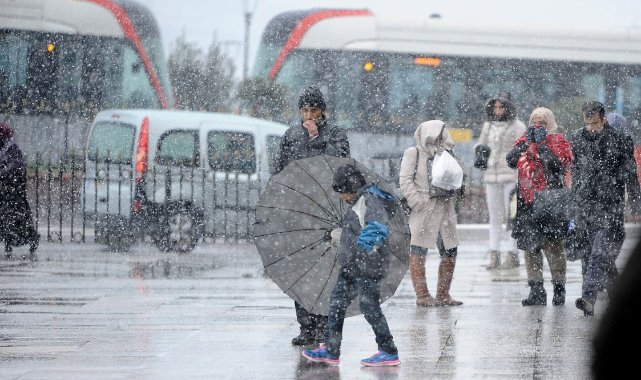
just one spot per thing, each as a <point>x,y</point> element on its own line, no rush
<point>109,203</point>
<point>172,207</point>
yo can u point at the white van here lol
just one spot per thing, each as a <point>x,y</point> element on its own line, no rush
<point>175,176</point>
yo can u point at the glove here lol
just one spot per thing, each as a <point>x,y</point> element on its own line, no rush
<point>336,237</point>
<point>539,134</point>
<point>530,134</point>
<point>482,154</point>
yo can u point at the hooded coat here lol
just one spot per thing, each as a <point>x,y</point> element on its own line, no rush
<point>540,166</point>
<point>429,216</point>
<point>499,136</point>
<point>16,224</point>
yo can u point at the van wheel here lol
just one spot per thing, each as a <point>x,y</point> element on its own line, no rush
<point>179,230</point>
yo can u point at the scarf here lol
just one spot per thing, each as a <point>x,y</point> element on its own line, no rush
<point>530,169</point>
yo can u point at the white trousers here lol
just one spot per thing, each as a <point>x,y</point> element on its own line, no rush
<point>498,200</point>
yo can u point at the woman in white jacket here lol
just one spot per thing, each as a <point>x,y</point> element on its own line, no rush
<point>499,132</point>
<point>433,219</point>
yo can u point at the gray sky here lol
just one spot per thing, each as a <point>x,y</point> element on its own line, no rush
<point>202,19</point>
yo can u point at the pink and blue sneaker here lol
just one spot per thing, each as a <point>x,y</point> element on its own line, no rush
<point>320,355</point>
<point>381,359</point>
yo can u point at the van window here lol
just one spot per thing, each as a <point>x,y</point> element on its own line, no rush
<point>111,142</point>
<point>231,152</point>
<point>179,148</point>
<point>273,152</point>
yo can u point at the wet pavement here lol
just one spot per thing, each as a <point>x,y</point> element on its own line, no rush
<point>82,312</point>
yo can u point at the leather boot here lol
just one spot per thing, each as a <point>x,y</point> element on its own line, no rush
<point>445,275</point>
<point>511,260</point>
<point>495,260</point>
<point>537,297</point>
<point>417,272</point>
<point>305,338</point>
<point>559,294</point>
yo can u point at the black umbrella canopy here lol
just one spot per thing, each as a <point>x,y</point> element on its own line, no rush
<point>294,217</point>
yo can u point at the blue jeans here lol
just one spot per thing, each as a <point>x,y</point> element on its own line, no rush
<point>599,262</point>
<point>367,290</point>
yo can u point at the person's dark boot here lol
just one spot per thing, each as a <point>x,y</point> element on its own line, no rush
<point>538,296</point>
<point>305,338</point>
<point>559,294</point>
<point>33,246</point>
<point>585,306</point>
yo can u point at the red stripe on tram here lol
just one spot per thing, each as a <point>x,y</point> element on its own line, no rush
<point>130,33</point>
<point>303,26</point>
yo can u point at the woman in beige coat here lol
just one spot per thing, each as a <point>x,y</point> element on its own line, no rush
<point>432,220</point>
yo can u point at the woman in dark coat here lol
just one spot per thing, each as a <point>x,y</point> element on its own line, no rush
<point>542,156</point>
<point>16,224</point>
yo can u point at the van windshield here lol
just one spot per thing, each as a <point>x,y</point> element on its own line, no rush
<point>111,142</point>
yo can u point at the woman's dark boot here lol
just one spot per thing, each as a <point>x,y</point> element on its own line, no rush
<point>559,294</point>
<point>33,246</point>
<point>538,296</point>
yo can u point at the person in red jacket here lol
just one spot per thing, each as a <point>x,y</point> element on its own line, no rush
<point>542,156</point>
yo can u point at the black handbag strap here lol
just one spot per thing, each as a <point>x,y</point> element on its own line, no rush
<point>415,164</point>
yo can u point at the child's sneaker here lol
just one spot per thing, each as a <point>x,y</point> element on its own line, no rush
<point>381,359</point>
<point>320,355</point>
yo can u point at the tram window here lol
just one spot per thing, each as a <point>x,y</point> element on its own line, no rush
<point>347,86</point>
<point>44,74</point>
<point>137,91</point>
<point>409,88</point>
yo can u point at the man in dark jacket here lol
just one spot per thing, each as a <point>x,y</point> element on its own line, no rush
<point>363,259</point>
<point>16,224</point>
<point>604,169</point>
<point>313,136</point>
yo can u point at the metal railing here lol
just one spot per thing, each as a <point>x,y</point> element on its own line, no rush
<point>69,200</point>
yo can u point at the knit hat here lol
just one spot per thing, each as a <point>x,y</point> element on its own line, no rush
<point>347,179</point>
<point>311,97</point>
